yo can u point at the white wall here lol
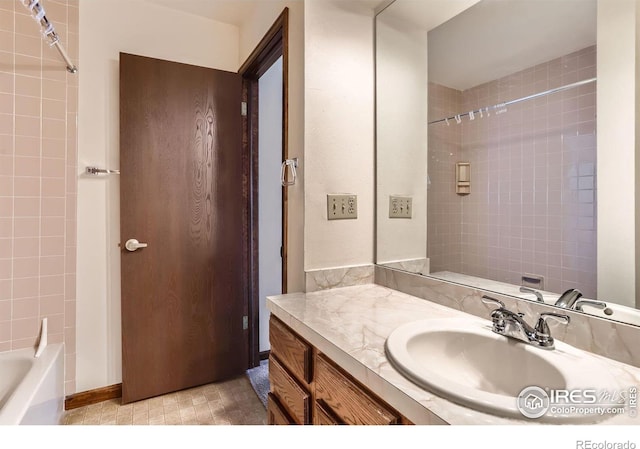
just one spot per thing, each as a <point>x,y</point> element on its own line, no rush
<point>108,27</point>
<point>339,144</point>
<point>401,89</point>
<point>616,151</point>
<point>251,32</point>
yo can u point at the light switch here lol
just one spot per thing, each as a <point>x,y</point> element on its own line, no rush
<point>342,206</point>
<point>400,206</point>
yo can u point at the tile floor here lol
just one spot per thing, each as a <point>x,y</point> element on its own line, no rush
<point>223,403</point>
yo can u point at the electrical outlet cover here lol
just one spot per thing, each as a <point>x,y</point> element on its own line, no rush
<point>342,206</point>
<point>400,206</point>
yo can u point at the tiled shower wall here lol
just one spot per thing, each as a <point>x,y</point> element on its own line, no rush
<point>38,166</point>
<point>532,207</point>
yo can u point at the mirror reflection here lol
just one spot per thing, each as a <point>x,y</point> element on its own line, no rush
<point>487,148</point>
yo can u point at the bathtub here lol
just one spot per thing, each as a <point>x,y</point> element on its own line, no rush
<point>32,390</point>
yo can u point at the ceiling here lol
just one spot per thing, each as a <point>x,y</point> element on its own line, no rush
<point>227,11</point>
<point>233,12</point>
<point>495,38</point>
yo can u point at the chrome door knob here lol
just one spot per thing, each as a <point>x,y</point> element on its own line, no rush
<point>133,245</point>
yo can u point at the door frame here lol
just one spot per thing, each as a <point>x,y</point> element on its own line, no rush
<point>273,45</point>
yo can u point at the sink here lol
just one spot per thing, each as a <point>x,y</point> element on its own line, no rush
<point>465,362</point>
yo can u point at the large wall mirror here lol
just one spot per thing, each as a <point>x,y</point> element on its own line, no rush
<point>505,147</point>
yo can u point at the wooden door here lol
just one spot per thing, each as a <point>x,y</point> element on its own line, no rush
<point>182,193</point>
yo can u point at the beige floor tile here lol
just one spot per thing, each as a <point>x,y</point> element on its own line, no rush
<point>199,399</point>
<point>172,418</point>
<point>235,417</point>
<point>169,399</point>
<point>75,419</point>
<point>126,419</point>
<point>170,408</point>
<point>156,420</point>
<point>156,412</point>
<point>108,419</point>
<point>91,420</point>
<point>155,403</point>
<point>142,406</point>
<point>212,396</point>
<point>125,408</point>
<point>187,413</point>
<point>141,419</point>
<point>207,421</point>
<point>93,408</point>
<point>216,405</point>
<point>190,422</point>
<point>222,403</point>
<point>110,407</point>
<point>200,408</point>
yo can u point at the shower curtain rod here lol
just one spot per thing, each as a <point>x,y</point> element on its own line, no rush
<point>500,106</point>
<point>49,31</point>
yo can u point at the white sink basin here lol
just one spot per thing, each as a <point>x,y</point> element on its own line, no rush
<point>467,363</point>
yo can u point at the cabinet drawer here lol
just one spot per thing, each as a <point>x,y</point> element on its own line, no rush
<point>322,416</point>
<point>348,401</point>
<point>276,415</point>
<point>293,396</point>
<point>293,352</point>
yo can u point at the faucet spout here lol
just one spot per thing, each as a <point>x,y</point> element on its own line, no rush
<point>568,299</point>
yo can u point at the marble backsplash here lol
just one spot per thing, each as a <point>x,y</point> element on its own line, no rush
<point>617,341</point>
<point>328,278</point>
<point>418,266</point>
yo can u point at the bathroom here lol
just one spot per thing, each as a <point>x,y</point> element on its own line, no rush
<point>60,228</point>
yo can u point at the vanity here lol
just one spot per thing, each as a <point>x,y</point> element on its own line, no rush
<point>328,363</point>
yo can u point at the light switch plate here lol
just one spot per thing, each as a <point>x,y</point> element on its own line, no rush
<point>342,206</point>
<point>400,206</point>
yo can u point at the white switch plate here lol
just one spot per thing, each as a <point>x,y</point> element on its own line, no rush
<point>400,206</point>
<point>342,206</point>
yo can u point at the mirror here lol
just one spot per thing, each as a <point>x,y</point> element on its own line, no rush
<point>490,148</point>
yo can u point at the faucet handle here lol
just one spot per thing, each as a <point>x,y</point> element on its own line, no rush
<point>542,328</point>
<point>489,300</point>
<point>589,302</point>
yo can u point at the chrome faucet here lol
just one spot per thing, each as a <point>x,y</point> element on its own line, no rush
<point>513,325</point>
<point>589,302</point>
<point>539,296</point>
<point>572,299</point>
<point>568,299</point>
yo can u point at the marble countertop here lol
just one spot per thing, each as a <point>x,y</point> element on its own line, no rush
<point>350,325</point>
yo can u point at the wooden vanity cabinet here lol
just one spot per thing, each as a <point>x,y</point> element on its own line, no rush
<point>308,388</point>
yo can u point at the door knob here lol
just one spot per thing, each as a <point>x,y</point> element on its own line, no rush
<point>133,244</point>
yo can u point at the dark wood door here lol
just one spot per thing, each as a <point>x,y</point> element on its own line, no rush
<point>181,193</point>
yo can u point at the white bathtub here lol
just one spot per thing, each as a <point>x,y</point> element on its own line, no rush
<point>32,390</point>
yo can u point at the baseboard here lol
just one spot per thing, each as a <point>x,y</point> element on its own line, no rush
<point>92,396</point>
<point>264,355</point>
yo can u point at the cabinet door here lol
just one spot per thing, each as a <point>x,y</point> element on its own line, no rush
<point>276,415</point>
<point>348,402</point>
<point>293,396</point>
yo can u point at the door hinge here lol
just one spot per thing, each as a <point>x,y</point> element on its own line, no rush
<point>243,108</point>
<point>245,323</point>
<point>281,251</point>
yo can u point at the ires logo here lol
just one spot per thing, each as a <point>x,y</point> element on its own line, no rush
<point>534,402</point>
